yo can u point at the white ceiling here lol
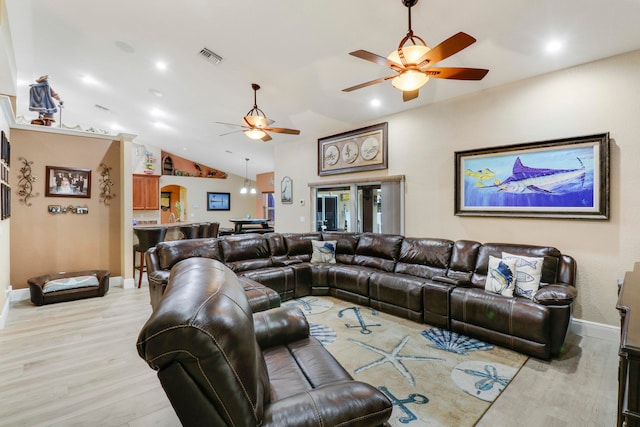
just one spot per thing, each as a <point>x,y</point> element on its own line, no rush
<point>297,50</point>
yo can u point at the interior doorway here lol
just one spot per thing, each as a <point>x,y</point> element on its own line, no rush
<point>332,209</point>
<point>363,206</point>
<point>169,195</point>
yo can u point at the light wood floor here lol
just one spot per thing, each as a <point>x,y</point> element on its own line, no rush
<point>75,364</point>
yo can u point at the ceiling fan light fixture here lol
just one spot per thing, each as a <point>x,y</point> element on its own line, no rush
<point>255,133</point>
<point>256,121</point>
<point>411,53</point>
<point>410,80</point>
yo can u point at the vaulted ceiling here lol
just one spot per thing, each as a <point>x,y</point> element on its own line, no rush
<point>134,66</point>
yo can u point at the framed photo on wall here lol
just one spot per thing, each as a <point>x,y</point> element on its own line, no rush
<point>68,182</point>
<point>286,190</point>
<point>564,178</point>
<point>354,151</point>
<point>218,201</point>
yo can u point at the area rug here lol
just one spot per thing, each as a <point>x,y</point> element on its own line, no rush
<point>434,377</point>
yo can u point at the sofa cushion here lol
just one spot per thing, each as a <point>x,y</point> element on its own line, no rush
<point>379,251</point>
<point>299,244</point>
<point>463,260</point>
<point>424,257</point>
<point>169,253</point>
<point>528,274</point>
<point>346,245</point>
<point>277,246</point>
<point>323,251</point>
<point>501,276</point>
<point>549,266</point>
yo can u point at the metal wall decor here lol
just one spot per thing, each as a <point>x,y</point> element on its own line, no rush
<point>25,182</point>
<point>105,185</point>
<point>354,151</point>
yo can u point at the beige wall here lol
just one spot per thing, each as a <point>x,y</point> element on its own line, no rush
<point>196,199</point>
<point>592,98</point>
<point>43,243</point>
<point>5,226</point>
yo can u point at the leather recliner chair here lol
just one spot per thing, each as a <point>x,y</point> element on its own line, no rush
<point>222,365</point>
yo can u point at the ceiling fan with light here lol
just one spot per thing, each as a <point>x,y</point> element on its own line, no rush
<point>413,63</point>
<point>256,125</point>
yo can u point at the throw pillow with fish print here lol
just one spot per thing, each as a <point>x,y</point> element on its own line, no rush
<point>501,276</point>
<point>528,274</point>
<point>324,251</point>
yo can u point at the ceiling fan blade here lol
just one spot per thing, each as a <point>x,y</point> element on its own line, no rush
<point>408,95</point>
<point>229,133</point>
<point>377,59</point>
<point>283,130</point>
<point>230,124</point>
<point>372,82</point>
<point>450,46</point>
<point>457,73</point>
<point>266,137</point>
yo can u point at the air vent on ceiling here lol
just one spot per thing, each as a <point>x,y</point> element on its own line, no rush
<point>210,55</point>
<point>100,107</point>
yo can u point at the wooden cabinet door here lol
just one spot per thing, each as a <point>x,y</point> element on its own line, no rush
<point>146,192</point>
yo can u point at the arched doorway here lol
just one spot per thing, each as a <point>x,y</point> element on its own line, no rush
<point>169,195</point>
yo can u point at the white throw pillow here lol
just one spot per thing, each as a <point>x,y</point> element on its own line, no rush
<point>528,274</point>
<point>501,278</point>
<point>324,251</point>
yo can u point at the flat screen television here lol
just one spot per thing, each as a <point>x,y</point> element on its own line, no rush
<point>218,201</point>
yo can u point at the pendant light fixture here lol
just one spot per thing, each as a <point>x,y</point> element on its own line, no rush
<point>247,187</point>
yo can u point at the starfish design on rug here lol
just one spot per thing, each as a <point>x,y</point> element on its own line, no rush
<point>392,357</point>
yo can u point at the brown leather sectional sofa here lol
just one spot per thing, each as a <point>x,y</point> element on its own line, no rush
<point>222,365</point>
<point>435,281</point>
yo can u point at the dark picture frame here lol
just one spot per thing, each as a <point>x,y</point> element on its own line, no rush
<point>358,150</point>
<point>5,149</point>
<point>62,181</point>
<point>217,201</point>
<point>562,178</point>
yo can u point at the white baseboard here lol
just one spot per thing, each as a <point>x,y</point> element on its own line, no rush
<point>586,328</point>
<point>19,294</point>
<point>128,283</point>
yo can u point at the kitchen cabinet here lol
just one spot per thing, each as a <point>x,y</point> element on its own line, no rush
<point>146,192</point>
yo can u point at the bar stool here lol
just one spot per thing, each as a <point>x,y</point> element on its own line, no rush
<point>189,231</point>
<point>214,228</point>
<point>203,230</point>
<point>148,237</point>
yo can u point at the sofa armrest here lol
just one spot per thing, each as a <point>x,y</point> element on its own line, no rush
<point>342,403</point>
<point>451,281</point>
<point>279,326</point>
<point>556,294</point>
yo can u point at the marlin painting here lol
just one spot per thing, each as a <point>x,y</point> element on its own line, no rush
<point>536,180</point>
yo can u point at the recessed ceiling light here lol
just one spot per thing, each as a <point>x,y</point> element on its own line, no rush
<point>160,125</point>
<point>116,127</point>
<point>161,65</point>
<point>554,46</point>
<point>156,92</point>
<point>375,102</point>
<point>156,112</point>
<point>88,80</point>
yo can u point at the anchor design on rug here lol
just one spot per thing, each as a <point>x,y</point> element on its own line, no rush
<point>489,377</point>
<point>307,304</point>
<point>393,358</point>
<point>417,398</point>
<point>364,328</point>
